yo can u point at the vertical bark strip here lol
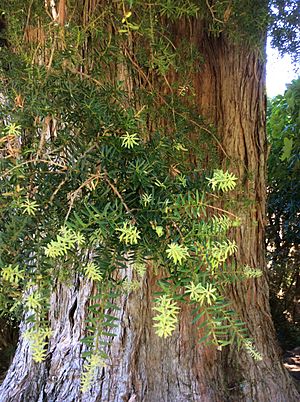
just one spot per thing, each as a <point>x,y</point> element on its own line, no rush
<point>241,122</point>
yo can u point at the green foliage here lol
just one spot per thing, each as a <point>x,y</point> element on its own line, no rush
<point>167,317</point>
<point>283,234</point>
<point>91,271</point>
<point>177,252</point>
<point>287,148</point>
<point>12,274</point>
<point>65,241</point>
<point>129,234</point>
<point>38,339</point>
<point>202,294</point>
<point>284,27</point>
<point>94,362</point>
<point>222,181</point>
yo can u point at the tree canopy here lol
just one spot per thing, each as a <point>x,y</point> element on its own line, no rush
<point>283,234</point>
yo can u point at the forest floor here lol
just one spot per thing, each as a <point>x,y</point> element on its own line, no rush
<point>291,360</point>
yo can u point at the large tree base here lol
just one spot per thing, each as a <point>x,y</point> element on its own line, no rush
<point>141,366</point>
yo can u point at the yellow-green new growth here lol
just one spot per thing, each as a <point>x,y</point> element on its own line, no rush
<point>95,361</point>
<point>37,338</point>
<point>177,253</point>
<point>252,272</point>
<point>29,207</point>
<point>12,274</point>
<point>129,140</point>
<point>140,268</point>
<point>252,351</point>
<point>129,234</point>
<point>166,319</point>
<point>204,295</point>
<point>222,250</point>
<point>13,129</point>
<point>146,199</point>
<point>92,272</point>
<point>34,301</point>
<point>222,181</point>
<point>130,285</point>
<point>65,241</point>
<point>158,229</point>
<point>180,147</point>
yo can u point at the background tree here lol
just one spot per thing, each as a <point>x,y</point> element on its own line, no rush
<point>283,212</point>
<point>114,116</point>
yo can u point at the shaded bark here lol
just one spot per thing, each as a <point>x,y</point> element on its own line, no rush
<point>8,341</point>
<point>58,378</point>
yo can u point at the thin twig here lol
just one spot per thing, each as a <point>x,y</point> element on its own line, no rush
<point>64,167</point>
<point>204,129</point>
<point>178,229</point>
<point>221,210</point>
<point>42,140</point>
<point>51,56</point>
<point>212,13</point>
<point>57,190</point>
<point>115,190</point>
<point>73,195</point>
<point>74,71</point>
<point>27,19</point>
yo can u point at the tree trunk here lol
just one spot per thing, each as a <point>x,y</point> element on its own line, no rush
<point>143,367</point>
